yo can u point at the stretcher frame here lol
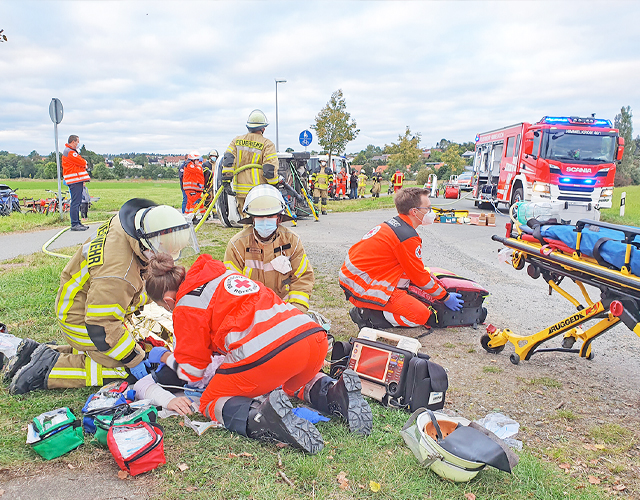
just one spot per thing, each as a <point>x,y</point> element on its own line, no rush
<point>619,293</point>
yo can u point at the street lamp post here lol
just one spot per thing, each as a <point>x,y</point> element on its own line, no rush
<point>277,141</point>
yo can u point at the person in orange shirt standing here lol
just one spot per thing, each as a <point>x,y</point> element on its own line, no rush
<point>398,180</point>
<point>380,266</point>
<point>193,183</point>
<point>74,171</point>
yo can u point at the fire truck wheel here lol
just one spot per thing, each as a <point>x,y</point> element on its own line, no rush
<point>518,195</point>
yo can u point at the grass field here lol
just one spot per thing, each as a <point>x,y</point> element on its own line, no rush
<point>632,207</point>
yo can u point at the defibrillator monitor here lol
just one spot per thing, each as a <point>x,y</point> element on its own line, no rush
<point>372,362</point>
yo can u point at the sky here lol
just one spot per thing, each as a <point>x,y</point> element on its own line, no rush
<point>177,76</point>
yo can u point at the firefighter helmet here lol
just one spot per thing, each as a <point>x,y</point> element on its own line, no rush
<point>213,153</point>
<point>264,200</point>
<point>257,120</point>
<point>194,155</point>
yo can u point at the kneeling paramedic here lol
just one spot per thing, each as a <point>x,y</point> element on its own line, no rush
<point>270,348</point>
<point>102,284</point>
<point>268,252</point>
<point>380,266</point>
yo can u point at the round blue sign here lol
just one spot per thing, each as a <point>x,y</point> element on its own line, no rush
<point>305,138</point>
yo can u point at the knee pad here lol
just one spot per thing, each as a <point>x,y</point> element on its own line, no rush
<point>316,199</point>
<point>324,201</point>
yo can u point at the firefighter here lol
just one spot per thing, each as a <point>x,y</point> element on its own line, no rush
<point>362,183</point>
<point>246,149</point>
<point>379,267</point>
<point>377,185</point>
<point>398,180</point>
<point>100,286</point>
<point>341,178</point>
<point>270,349</point>
<point>321,181</point>
<point>268,252</point>
<point>193,183</point>
<point>208,168</point>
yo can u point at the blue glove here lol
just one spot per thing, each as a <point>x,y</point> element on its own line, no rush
<point>155,354</point>
<point>139,371</point>
<point>310,415</point>
<point>454,302</point>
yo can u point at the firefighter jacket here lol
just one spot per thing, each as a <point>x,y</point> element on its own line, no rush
<point>247,255</point>
<point>398,178</point>
<point>362,180</point>
<point>386,258</point>
<point>246,149</point>
<point>99,287</point>
<point>193,177</point>
<point>74,167</point>
<point>322,179</point>
<point>221,311</point>
<point>377,184</point>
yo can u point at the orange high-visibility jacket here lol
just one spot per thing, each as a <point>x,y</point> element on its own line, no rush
<point>225,312</point>
<point>74,167</point>
<point>387,257</point>
<point>398,178</point>
<point>193,177</point>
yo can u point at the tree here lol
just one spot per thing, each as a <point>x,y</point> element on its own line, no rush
<point>119,170</point>
<point>406,151</point>
<point>334,125</point>
<point>289,150</point>
<point>451,158</point>
<point>101,172</point>
<point>141,160</point>
<point>623,122</point>
<point>50,170</point>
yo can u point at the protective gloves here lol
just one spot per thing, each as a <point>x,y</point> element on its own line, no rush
<point>155,354</point>
<point>226,185</point>
<point>139,371</point>
<point>454,302</point>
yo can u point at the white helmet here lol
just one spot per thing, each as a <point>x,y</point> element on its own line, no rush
<point>194,155</point>
<point>257,119</point>
<point>159,228</point>
<point>264,200</point>
<point>214,153</point>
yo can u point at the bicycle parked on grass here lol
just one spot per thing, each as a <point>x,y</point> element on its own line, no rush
<point>51,204</point>
<point>9,201</point>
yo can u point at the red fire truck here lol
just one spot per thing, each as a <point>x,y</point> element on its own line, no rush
<point>569,160</point>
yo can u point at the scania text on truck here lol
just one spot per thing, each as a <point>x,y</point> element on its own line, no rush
<point>560,159</point>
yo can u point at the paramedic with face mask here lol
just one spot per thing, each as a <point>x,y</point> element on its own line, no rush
<point>379,267</point>
<point>268,252</point>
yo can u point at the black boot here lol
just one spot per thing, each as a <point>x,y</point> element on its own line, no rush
<point>344,399</point>
<point>371,318</point>
<point>356,316</point>
<point>273,420</point>
<point>23,356</point>
<point>34,375</point>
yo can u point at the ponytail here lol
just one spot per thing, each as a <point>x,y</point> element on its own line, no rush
<point>162,275</point>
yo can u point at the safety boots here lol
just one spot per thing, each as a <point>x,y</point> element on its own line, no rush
<point>371,318</point>
<point>344,399</point>
<point>23,356</point>
<point>274,420</point>
<point>34,374</point>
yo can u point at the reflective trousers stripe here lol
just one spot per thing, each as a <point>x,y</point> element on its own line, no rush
<point>93,373</point>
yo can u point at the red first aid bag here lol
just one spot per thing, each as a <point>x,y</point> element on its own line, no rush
<point>137,448</point>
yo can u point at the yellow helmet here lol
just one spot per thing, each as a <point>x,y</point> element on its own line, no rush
<point>257,120</point>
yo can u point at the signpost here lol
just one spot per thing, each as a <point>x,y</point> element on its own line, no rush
<point>305,138</point>
<point>56,112</point>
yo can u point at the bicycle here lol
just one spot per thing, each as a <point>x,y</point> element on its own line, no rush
<point>52,203</point>
<point>9,201</point>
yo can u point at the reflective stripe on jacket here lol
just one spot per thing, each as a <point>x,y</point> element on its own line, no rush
<point>322,179</point>
<point>398,178</point>
<point>74,167</point>
<point>193,177</point>
<point>251,148</point>
<point>387,253</point>
<point>225,312</point>
<point>99,287</point>
<point>247,256</point>
<point>362,180</point>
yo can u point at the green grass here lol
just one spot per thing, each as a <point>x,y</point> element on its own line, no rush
<point>632,207</point>
<point>492,369</point>
<point>545,382</point>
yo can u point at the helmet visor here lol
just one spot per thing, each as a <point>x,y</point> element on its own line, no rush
<point>178,241</point>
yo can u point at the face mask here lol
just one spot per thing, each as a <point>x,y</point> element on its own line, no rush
<point>265,227</point>
<point>428,218</point>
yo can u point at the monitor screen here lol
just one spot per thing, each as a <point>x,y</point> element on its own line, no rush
<point>373,363</point>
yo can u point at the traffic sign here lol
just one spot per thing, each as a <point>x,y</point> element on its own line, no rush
<point>305,138</point>
<point>55,110</point>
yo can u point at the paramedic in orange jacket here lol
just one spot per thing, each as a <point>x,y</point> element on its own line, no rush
<point>193,182</point>
<point>379,267</point>
<point>74,171</point>
<point>267,344</point>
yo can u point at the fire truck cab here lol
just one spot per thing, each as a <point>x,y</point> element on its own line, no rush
<point>569,160</point>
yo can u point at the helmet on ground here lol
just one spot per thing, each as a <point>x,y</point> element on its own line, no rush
<point>213,153</point>
<point>257,120</point>
<point>194,155</point>
<point>159,228</point>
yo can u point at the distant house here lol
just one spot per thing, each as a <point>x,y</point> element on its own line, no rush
<point>128,163</point>
<point>468,154</point>
<point>380,158</point>
<point>173,161</point>
<point>381,168</point>
<point>357,168</point>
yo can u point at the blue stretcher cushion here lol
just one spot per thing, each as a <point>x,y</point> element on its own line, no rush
<point>613,252</point>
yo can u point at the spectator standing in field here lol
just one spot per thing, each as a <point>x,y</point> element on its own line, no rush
<point>353,185</point>
<point>74,171</point>
<point>180,176</point>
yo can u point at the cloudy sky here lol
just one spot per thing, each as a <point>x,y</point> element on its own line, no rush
<point>176,76</point>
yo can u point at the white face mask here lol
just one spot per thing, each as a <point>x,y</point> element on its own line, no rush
<point>428,218</point>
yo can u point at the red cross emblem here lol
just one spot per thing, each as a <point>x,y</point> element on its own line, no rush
<point>243,283</point>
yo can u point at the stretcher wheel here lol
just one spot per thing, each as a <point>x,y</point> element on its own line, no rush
<point>484,342</point>
<point>590,356</point>
<point>514,358</point>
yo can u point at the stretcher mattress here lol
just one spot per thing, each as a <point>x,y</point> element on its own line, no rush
<point>603,244</point>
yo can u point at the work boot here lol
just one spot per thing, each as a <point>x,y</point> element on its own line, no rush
<point>34,375</point>
<point>324,212</point>
<point>79,227</point>
<point>23,356</point>
<point>344,399</point>
<point>274,420</point>
<point>356,316</point>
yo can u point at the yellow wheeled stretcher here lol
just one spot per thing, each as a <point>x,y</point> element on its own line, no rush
<point>602,255</point>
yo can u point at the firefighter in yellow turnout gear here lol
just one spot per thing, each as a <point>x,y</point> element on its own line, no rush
<point>101,285</point>
<point>362,184</point>
<point>247,149</point>
<point>321,181</point>
<point>270,253</point>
